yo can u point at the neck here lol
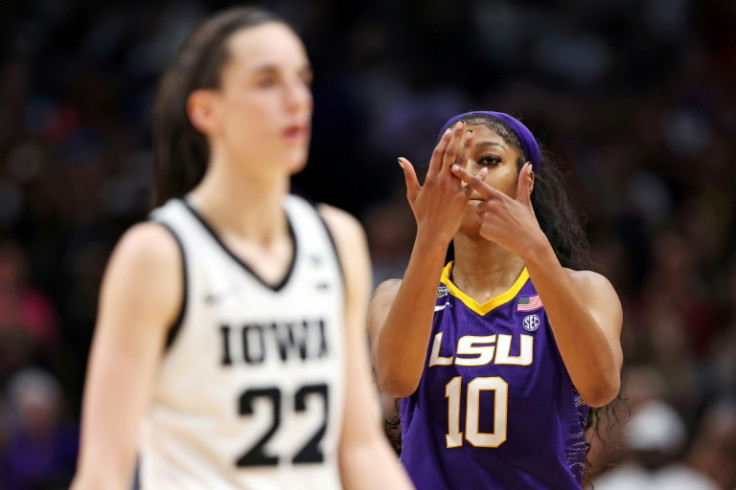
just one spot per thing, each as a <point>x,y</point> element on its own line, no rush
<point>243,204</point>
<point>483,269</point>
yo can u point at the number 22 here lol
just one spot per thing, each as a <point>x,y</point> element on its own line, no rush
<point>310,453</point>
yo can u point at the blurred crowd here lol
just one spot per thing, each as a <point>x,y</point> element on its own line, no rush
<point>635,98</point>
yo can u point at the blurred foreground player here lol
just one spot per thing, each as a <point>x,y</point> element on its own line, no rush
<point>229,349</point>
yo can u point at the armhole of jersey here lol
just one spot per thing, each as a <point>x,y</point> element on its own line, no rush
<point>332,242</point>
<point>173,331</point>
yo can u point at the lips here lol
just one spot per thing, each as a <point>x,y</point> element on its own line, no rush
<point>297,133</point>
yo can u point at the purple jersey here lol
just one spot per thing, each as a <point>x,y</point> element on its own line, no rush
<point>495,408</point>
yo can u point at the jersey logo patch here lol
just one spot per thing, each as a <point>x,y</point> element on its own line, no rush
<point>528,303</point>
<point>442,291</point>
<point>531,323</point>
<point>442,307</point>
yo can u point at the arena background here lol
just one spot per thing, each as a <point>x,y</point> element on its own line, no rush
<point>637,98</point>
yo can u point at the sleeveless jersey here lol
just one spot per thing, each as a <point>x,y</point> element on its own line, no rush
<point>495,407</point>
<point>250,392</point>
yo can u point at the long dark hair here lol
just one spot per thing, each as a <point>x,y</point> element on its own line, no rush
<point>556,216</point>
<point>180,151</point>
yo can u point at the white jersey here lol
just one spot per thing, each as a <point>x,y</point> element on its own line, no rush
<point>250,392</point>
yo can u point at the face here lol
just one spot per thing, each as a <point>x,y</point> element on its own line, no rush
<point>491,151</point>
<point>260,115</point>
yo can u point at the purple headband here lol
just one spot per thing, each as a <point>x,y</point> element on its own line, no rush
<point>526,138</point>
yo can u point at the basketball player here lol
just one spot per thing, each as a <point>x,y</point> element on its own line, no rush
<point>229,348</point>
<point>499,353</point>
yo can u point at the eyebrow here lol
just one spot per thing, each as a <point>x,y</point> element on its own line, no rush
<point>270,67</point>
<point>490,143</point>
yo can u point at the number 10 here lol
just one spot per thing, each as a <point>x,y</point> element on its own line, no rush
<point>500,390</point>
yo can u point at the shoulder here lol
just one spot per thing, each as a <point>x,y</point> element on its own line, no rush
<point>147,250</point>
<point>585,279</point>
<point>388,288</point>
<point>352,249</point>
<point>347,234</point>
<point>384,295</point>
<point>149,244</point>
<point>594,288</point>
<point>144,278</point>
<point>343,225</point>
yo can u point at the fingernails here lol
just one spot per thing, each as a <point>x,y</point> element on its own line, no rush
<point>483,172</point>
<point>401,164</point>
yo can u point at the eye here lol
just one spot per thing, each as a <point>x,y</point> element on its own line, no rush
<point>307,77</point>
<point>489,160</point>
<point>267,81</point>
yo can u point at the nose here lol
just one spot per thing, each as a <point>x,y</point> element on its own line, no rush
<point>472,167</point>
<point>297,96</point>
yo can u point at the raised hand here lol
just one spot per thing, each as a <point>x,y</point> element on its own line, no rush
<point>439,204</point>
<point>509,222</point>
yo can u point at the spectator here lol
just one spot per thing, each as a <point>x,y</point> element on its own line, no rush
<point>655,437</point>
<point>28,327</point>
<point>41,446</point>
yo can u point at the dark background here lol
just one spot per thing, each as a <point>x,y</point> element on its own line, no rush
<point>636,98</point>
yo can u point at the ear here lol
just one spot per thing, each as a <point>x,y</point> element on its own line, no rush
<point>525,185</point>
<point>530,180</point>
<point>201,108</point>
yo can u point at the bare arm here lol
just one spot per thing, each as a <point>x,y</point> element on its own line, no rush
<point>401,314</point>
<point>586,317</point>
<point>583,308</point>
<point>400,319</point>
<point>139,298</point>
<point>366,459</point>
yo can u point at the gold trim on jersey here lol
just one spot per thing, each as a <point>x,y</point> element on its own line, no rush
<point>485,308</point>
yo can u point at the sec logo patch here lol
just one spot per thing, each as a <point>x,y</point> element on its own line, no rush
<point>531,323</point>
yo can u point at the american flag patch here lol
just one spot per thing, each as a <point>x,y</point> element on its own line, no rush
<point>528,303</point>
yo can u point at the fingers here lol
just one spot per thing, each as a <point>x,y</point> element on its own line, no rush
<point>465,145</point>
<point>475,183</point>
<point>410,176</point>
<point>435,163</point>
<point>454,147</point>
<point>452,150</point>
